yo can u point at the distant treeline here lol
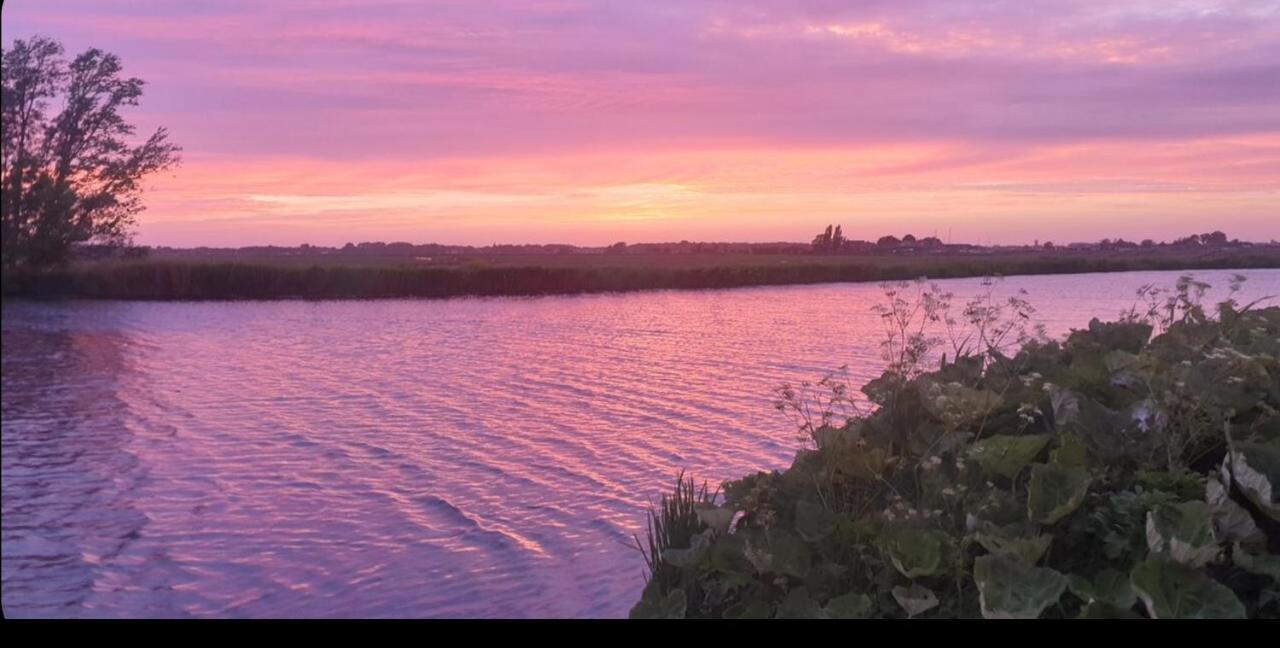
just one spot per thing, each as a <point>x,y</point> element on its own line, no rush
<point>175,280</point>
<point>380,249</point>
<point>831,241</point>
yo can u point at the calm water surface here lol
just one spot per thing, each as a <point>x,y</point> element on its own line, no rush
<point>471,457</point>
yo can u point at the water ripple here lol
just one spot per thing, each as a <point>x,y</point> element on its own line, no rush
<point>470,457</point>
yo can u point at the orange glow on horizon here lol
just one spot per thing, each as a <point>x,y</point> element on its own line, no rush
<point>743,193</point>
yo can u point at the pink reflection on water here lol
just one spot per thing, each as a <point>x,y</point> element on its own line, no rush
<point>471,457</point>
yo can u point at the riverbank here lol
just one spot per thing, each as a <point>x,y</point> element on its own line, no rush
<point>1109,475</point>
<point>559,274</point>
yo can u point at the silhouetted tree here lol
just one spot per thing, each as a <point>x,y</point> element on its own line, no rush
<point>888,241</point>
<point>73,178</point>
<point>908,239</point>
<point>822,242</point>
<point>1213,238</point>
<point>837,239</point>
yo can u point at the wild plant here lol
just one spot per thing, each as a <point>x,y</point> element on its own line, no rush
<point>671,525</point>
<point>830,402</point>
<point>1109,475</point>
<point>917,318</point>
<point>1162,307</point>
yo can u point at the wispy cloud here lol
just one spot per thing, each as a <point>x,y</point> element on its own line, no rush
<point>590,121</point>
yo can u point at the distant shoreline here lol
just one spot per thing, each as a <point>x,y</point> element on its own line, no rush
<point>257,279</point>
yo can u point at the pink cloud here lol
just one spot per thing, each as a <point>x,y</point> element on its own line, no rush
<point>437,113</point>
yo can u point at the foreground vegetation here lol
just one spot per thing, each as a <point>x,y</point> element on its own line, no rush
<point>1111,475</point>
<point>321,278</point>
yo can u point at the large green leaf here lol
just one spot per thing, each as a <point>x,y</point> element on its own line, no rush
<point>1108,434</point>
<point>1264,564</point>
<point>1065,404</point>
<point>850,606</point>
<point>715,517</point>
<point>1072,451</point>
<point>813,521</point>
<point>1124,336</point>
<point>1119,361</point>
<point>1231,523</point>
<point>915,599</point>
<point>1109,587</point>
<point>1026,549</point>
<point>1006,455</point>
<point>1255,467</point>
<point>1055,491</point>
<point>1009,588</point>
<point>799,605</point>
<point>777,551</point>
<point>864,463</point>
<point>1171,590</point>
<point>882,390</point>
<point>914,552</point>
<point>834,437</point>
<point>1098,610</point>
<point>671,606</point>
<point>753,609</point>
<point>688,557</point>
<point>1229,379</point>
<point>955,404</point>
<point>1183,531</point>
<point>1000,510</point>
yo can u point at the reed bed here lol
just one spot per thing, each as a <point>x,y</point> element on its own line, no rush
<point>199,280</point>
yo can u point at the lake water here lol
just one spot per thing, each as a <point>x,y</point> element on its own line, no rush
<point>470,457</point>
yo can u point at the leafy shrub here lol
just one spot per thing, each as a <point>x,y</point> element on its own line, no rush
<point>1112,474</point>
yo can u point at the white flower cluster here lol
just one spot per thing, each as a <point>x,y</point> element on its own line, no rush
<point>901,510</point>
<point>1028,412</point>
<point>931,463</point>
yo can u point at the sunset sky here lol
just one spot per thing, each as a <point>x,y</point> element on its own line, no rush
<point>327,121</point>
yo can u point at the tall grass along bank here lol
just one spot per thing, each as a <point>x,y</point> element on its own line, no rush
<point>168,280</point>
